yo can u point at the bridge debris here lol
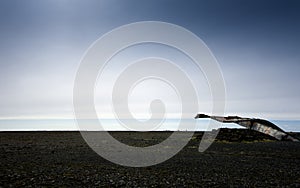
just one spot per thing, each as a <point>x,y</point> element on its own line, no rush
<point>259,125</point>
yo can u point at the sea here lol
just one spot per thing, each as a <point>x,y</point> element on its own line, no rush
<point>124,125</point>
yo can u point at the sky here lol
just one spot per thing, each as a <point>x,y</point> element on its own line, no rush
<point>256,43</point>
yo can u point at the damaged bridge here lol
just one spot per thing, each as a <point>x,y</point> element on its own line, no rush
<point>259,125</point>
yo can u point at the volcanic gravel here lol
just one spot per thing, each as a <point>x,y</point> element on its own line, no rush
<point>63,159</point>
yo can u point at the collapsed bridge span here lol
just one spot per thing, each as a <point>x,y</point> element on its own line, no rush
<point>259,125</point>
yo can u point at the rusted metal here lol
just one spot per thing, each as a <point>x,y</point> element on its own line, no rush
<point>259,125</point>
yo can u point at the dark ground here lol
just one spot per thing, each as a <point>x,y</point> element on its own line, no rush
<point>239,158</point>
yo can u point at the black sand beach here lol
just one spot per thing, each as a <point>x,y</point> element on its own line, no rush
<point>238,158</point>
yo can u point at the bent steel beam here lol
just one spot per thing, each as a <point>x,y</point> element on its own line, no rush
<point>259,125</point>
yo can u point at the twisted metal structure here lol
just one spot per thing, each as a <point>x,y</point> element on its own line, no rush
<point>259,125</point>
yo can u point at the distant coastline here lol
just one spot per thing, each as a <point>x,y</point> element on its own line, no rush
<point>113,125</point>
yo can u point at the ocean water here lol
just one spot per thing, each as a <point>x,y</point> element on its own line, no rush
<point>115,125</point>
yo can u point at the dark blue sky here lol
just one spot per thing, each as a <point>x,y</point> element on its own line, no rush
<point>257,44</point>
